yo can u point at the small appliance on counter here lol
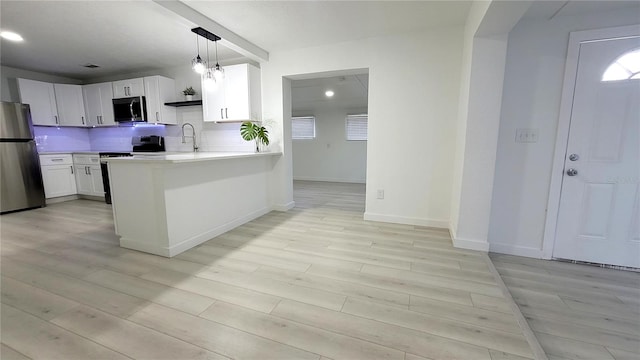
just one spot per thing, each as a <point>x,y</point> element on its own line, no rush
<point>21,185</point>
<point>150,143</point>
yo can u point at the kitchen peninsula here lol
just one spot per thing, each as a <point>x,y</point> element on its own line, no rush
<point>166,204</point>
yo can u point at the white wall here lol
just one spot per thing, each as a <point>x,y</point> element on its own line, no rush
<point>413,97</point>
<point>531,99</point>
<point>330,157</point>
<point>485,44</point>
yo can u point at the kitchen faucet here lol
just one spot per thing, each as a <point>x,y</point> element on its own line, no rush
<point>193,136</point>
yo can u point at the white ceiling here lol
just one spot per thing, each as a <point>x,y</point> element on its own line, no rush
<point>119,36</point>
<point>282,25</point>
<point>545,10</point>
<point>130,36</point>
<point>350,91</point>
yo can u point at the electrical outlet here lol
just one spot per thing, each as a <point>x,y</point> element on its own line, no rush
<point>380,194</point>
<point>526,135</point>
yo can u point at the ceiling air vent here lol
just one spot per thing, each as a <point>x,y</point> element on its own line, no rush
<point>91,66</point>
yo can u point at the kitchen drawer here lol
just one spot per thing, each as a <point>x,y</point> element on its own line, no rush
<point>58,159</point>
<point>86,159</point>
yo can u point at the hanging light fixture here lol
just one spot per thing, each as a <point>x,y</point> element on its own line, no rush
<point>208,77</point>
<point>218,72</point>
<point>197,63</point>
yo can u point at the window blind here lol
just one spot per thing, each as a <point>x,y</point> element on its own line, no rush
<point>357,127</point>
<point>303,127</point>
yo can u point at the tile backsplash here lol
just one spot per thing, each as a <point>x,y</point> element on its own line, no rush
<point>49,138</point>
<point>210,136</point>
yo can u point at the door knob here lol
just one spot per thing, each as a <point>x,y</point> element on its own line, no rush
<point>572,172</point>
<point>574,157</point>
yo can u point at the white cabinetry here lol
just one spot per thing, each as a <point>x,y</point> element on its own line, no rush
<point>98,104</point>
<point>236,98</point>
<point>88,174</point>
<point>58,175</point>
<point>128,88</point>
<point>159,90</point>
<point>41,99</point>
<point>70,104</point>
<point>53,104</point>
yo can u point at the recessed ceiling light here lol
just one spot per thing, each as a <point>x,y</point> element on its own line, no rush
<point>9,35</point>
<point>329,93</point>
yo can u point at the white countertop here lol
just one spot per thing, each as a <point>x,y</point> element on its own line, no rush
<point>68,152</point>
<point>187,157</point>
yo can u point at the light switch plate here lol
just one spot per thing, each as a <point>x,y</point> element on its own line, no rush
<point>526,135</point>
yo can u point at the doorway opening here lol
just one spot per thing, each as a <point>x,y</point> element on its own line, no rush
<point>329,131</point>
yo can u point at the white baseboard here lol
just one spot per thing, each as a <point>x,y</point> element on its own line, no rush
<point>406,220</point>
<point>470,244</point>
<point>284,207</point>
<point>340,180</point>
<point>467,243</point>
<point>60,199</point>
<point>510,249</point>
<point>193,241</point>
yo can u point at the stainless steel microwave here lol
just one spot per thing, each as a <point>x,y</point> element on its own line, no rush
<point>130,109</point>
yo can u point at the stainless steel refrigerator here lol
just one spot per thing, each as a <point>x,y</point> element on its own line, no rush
<point>20,176</point>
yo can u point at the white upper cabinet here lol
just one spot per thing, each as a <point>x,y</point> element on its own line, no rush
<point>159,90</point>
<point>70,105</point>
<point>98,104</point>
<point>237,98</point>
<point>41,99</point>
<point>128,88</point>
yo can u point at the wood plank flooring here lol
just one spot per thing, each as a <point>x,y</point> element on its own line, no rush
<point>316,282</point>
<point>576,311</point>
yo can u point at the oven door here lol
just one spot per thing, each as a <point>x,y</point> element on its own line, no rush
<point>131,109</point>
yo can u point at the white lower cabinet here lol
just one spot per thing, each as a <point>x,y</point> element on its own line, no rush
<point>88,175</point>
<point>58,175</point>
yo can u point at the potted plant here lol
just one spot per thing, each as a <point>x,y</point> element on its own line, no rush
<point>188,93</point>
<point>250,131</point>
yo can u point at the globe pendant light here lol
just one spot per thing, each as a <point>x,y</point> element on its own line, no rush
<point>197,63</point>
<point>218,72</point>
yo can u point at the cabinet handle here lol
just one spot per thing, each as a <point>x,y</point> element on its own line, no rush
<point>157,116</point>
<point>88,170</point>
<point>56,117</point>
<point>71,169</point>
<point>98,119</point>
<point>85,171</point>
<point>221,114</point>
<point>82,120</point>
<point>226,115</point>
<point>57,159</point>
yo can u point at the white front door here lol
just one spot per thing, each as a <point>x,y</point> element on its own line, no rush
<point>599,216</point>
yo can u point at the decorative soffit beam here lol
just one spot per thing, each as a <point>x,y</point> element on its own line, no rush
<point>230,39</point>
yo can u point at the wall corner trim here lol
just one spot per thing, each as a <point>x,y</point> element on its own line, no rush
<point>406,220</point>
<point>470,244</point>
<point>283,207</point>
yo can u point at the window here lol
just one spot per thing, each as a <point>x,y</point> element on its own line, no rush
<point>357,127</point>
<point>303,127</point>
<point>625,67</point>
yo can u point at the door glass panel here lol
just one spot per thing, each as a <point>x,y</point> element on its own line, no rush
<point>625,67</point>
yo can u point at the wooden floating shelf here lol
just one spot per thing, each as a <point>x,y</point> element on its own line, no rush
<point>184,103</point>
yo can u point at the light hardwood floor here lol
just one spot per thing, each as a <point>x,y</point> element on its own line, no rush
<point>576,311</point>
<point>316,282</point>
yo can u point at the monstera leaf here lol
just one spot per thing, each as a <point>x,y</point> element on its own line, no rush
<point>250,131</point>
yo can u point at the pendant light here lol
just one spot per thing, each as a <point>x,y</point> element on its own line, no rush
<point>208,77</point>
<point>218,72</point>
<point>197,63</point>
